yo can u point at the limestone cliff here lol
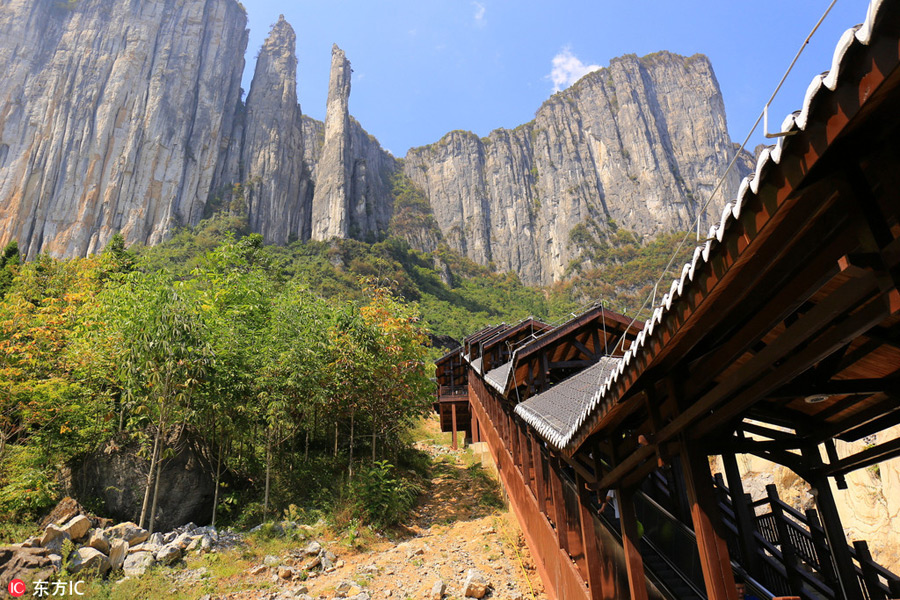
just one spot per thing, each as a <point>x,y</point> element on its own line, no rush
<point>331,201</point>
<point>112,116</point>
<point>128,116</point>
<point>642,143</point>
<point>276,182</point>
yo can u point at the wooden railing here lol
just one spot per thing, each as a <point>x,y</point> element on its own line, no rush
<point>453,391</point>
<point>793,552</point>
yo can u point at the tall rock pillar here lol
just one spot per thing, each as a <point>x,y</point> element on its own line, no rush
<point>331,200</point>
<point>272,153</point>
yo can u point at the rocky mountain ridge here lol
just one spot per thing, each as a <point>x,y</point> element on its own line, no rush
<point>129,117</point>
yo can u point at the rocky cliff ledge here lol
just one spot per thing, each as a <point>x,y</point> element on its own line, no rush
<point>127,116</point>
<point>111,117</point>
<point>641,143</point>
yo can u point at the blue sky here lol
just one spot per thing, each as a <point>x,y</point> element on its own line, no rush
<point>423,68</point>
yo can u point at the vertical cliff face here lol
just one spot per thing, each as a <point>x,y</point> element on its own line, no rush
<point>127,116</point>
<point>274,177</point>
<point>331,201</point>
<point>641,143</point>
<point>112,117</point>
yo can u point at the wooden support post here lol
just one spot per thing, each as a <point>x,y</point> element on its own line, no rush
<point>453,415</point>
<point>593,567</point>
<point>743,516</point>
<point>834,531</point>
<point>634,564</point>
<point>540,489</point>
<point>870,575</point>
<point>559,505</point>
<point>788,556</point>
<point>525,456</point>
<point>713,550</point>
<point>823,554</point>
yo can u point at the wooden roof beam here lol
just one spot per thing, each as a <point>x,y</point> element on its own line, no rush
<point>863,459</point>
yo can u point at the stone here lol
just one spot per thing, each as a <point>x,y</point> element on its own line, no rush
<point>476,585</point>
<point>169,554</point>
<point>89,560</point>
<point>258,570</point>
<point>437,590</point>
<point>285,572</point>
<point>271,561</point>
<point>129,532</point>
<point>137,564</point>
<point>312,563</point>
<point>77,527</point>
<point>63,512</point>
<point>99,541</point>
<point>53,538</point>
<point>313,548</point>
<point>158,539</point>
<point>182,541</point>
<point>28,564</point>
<point>117,553</point>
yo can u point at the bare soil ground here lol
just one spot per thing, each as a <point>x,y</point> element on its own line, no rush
<point>460,523</point>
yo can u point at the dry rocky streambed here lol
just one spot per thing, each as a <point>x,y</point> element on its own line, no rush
<point>459,543</point>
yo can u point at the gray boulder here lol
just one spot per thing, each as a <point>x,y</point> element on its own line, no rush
<point>137,564</point>
<point>77,527</point>
<point>129,532</point>
<point>90,560</point>
<point>117,553</point>
<point>53,538</point>
<point>169,555</point>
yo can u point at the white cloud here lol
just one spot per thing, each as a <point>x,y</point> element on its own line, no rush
<point>567,69</point>
<point>479,14</point>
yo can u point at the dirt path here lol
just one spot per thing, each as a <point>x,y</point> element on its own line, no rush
<point>461,523</point>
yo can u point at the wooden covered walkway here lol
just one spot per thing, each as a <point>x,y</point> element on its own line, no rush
<point>781,336</point>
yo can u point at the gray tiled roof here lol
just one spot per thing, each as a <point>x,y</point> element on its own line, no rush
<point>497,377</point>
<point>819,91</point>
<point>556,412</point>
<point>476,364</point>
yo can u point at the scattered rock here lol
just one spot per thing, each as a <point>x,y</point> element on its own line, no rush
<point>476,585</point>
<point>77,527</point>
<point>271,561</point>
<point>25,563</point>
<point>99,541</point>
<point>437,590</point>
<point>286,572</point>
<point>258,570</point>
<point>129,532</point>
<point>138,563</point>
<point>169,555</point>
<point>53,538</point>
<point>117,551</point>
<point>90,560</point>
<point>63,512</point>
<point>312,548</point>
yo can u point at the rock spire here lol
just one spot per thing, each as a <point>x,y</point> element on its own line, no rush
<point>331,201</point>
<point>274,178</point>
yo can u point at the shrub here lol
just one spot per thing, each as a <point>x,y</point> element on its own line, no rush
<point>380,497</point>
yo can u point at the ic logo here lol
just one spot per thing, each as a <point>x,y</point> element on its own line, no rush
<point>16,588</point>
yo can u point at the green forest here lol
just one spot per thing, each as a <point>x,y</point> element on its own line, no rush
<point>301,370</point>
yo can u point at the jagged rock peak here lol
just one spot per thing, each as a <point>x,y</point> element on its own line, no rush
<point>331,201</point>
<point>272,155</point>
